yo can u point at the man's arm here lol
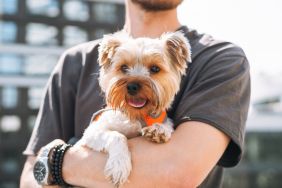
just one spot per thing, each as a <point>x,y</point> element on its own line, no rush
<point>184,161</point>
<point>27,179</point>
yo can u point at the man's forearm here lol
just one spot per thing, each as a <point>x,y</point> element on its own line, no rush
<point>84,167</point>
<point>184,161</point>
<point>27,179</point>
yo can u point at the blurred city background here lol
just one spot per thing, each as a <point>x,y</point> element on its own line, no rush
<point>33,34</point>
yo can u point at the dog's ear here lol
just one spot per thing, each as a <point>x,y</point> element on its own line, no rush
<point>107,50</point>
<point>178,50</point>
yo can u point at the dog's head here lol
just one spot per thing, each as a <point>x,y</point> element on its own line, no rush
<point>141,76</point>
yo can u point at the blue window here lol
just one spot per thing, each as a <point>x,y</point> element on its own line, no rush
<point>74,35</point>
<point>35,95</point>
<point>9,97</point>
<point>10,64</point>
<point>8,6</point>
<point>40,65</point>
<point>8,32</point>
<point>49,8</point>
<point>76,10</point>
<point>99,32</point>
<point>105,13</point>
<point>41,34</point>
<point>31,122</point>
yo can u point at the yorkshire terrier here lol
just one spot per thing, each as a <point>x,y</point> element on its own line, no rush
<point>139,78</point>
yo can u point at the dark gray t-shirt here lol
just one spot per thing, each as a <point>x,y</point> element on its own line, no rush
<point>216,91</point>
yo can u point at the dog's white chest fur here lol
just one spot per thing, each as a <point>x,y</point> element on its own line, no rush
<point>109,133</point>
<point>115,120</point>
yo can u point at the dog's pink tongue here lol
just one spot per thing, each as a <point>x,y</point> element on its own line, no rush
<point>137,103</point>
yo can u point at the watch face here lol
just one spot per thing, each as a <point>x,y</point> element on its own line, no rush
<point>39,171</point>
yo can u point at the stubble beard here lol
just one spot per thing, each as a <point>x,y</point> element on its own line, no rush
<point>157,5</point>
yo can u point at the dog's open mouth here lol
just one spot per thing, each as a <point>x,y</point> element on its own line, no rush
<point>137,102</point>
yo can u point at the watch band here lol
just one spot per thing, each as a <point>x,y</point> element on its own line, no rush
<point>41,170</point>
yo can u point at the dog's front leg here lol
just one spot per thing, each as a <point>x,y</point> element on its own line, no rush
<point>118,165</point>
<point>158,132</point>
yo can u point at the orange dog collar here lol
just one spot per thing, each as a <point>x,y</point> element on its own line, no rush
<point>148,120</point>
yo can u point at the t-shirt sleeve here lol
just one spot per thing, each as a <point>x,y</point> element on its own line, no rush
<point>218,94</point>
<point>55,119</point>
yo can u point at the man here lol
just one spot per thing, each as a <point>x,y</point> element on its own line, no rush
<point>209,112</point>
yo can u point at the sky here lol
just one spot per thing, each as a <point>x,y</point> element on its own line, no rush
<point>255,25</point>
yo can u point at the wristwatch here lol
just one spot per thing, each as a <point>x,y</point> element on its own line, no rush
<point>41,169</point>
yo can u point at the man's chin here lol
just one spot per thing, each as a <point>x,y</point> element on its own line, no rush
<point>157,5</point>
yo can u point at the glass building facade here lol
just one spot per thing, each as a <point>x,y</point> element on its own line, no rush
<point>33,34</point>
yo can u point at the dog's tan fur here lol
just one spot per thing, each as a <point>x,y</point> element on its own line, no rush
<point>170,53</point>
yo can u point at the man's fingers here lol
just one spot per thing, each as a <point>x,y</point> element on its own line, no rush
<point>55,142</point>
<point>52,144</point>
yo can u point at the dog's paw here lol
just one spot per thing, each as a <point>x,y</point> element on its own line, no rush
<point>157,133</point>
<point>118,168</point>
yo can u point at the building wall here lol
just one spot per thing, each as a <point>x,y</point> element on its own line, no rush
<point>33,34</point>
<point>261,166</point>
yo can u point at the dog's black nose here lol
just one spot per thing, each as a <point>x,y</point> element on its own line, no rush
<point>133,88</point>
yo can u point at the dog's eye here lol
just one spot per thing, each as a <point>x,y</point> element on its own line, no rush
<point>124,68</point>
<point>154,69</point>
